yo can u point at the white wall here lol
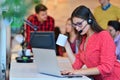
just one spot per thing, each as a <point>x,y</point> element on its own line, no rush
<point>2,49</point>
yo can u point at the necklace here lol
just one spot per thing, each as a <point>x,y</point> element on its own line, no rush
<point>106,7</point>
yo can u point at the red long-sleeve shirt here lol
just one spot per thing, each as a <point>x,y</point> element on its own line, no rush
<point>47,25</point>
<point>100,53</point>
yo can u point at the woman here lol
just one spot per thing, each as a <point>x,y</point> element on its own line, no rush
<point>72,38</point>
<point>96,50</point>
<point>114,29</point>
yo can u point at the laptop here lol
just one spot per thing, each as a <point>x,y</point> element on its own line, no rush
<point>47,63</point>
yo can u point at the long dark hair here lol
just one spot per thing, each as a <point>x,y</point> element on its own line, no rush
<point>85,13</point>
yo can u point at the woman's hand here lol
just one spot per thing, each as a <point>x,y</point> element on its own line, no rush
<point>70,72</point>
<point>67,72</point>
<point>87,72</point>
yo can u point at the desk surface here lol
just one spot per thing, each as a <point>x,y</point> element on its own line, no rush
<point>28,71</point>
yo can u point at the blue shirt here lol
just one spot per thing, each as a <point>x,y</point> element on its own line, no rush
<point>117,42</point>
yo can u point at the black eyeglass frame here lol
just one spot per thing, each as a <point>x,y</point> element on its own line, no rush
<point>79,24</point>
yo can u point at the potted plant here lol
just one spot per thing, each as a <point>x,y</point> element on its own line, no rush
<point>14,11</point>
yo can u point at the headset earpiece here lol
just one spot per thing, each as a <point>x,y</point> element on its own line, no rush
<point>89,21</point>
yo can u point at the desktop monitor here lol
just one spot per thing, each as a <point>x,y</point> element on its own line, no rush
<point>43,40</point>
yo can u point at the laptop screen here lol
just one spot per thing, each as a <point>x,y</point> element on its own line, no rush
<point>43,40</point>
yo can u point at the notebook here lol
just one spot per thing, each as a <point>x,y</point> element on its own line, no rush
<point>47,63</point>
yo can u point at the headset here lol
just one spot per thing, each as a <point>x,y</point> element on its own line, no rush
<point>89,20</point>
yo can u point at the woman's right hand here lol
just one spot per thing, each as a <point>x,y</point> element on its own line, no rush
<point>67,72</point>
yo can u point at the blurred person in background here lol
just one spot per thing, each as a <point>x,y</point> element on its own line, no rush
<point>114,29</point>
<point>41,20</point>
<point>105,12</point>
<point>72,38</point>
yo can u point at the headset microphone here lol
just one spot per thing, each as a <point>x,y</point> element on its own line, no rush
<point>82,29</point>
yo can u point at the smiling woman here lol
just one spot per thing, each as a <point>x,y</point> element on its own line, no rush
<point>94,51</point>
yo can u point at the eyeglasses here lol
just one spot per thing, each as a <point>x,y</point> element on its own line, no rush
<point>79,24</point>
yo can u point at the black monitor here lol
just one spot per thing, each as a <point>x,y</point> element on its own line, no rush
<point>43,39</point>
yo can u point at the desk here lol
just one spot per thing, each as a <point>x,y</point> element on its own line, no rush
<point>28,71</point>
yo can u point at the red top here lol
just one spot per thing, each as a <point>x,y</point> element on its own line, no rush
<point>100,53</point>
<point>47,25</point>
